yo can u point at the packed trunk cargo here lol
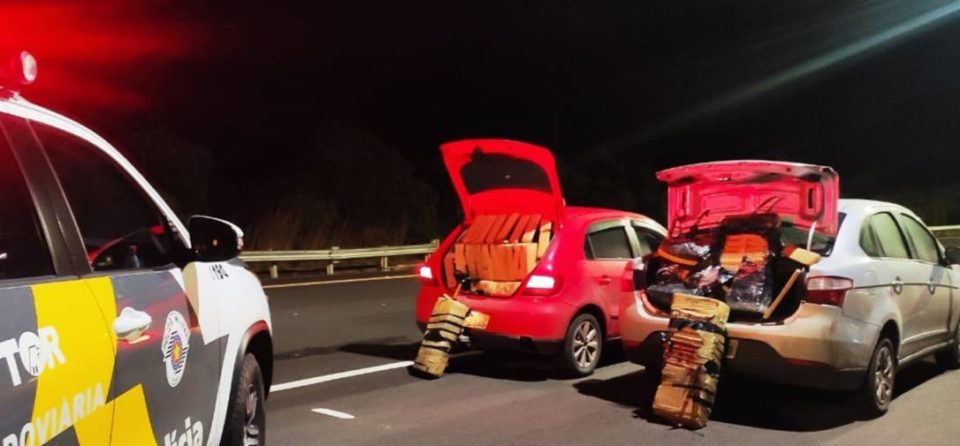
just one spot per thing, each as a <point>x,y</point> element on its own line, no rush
<point>745,233</point>
<point>511,201</point>
<point>495,253</point>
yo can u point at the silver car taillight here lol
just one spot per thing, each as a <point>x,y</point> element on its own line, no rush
<point>828,290</point>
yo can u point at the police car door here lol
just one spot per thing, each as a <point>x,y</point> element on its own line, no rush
<point>167,373</point>
<point>56,348</point>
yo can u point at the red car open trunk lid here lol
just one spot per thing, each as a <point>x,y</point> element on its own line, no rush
<point>499,176</point>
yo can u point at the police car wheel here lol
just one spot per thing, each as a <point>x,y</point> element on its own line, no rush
<point>246,422</point>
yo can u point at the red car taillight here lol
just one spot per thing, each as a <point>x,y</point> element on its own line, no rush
<point>828,290</point>
<point>542,284</point>
<point>426,275</point>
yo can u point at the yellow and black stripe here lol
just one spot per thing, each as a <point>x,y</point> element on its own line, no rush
<point>65,378</point>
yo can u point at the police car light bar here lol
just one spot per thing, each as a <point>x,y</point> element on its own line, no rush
<point>21,70</point>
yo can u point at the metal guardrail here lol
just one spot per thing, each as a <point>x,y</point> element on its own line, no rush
<point>936,229</point>
<point>335,254</point>
<point>949,235</point>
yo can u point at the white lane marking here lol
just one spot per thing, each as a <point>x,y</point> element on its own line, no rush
<point>333,413</point>
<point>334,282</point>
<point>353,373</point>
<point>341,375</point>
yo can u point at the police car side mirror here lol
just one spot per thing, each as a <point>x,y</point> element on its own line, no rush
<point>213,239</point>
<point>953,255</point>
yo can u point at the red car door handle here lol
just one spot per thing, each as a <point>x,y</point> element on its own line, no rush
<point>604,280</point>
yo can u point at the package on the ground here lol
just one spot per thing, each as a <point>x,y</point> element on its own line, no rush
<point>689,346</point>
<point>496,252</point>
<point>442,333</point>
<point>684,406</point>
<point>681,375</point>
<point>692,359</point>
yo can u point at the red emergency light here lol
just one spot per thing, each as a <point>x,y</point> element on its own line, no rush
<point>20,70</point>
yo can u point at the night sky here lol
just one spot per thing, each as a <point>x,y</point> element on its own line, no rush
<point>331,112</point>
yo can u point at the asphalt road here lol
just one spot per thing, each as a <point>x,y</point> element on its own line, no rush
<point>501,399</point>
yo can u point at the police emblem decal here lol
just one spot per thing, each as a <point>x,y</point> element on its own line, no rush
<point>175,346</point>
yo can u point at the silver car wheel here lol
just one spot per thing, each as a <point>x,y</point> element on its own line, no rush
<point>883,376</point>
<point>251,427</point>
<point>586,344</point>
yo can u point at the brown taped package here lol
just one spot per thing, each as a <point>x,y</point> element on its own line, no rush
<point>740,248</point>
<point>683,406</point>
<point>698,308</point>
<point>431,361</point>
<point>701,346</point>
<point>448,270</point>
<point>685,376</point>
<point>499,251</point>
<point>443,330</point>
<point>493,288</point>
<point>692,359</point>
<point>800,255</point>
<point>476,320</point>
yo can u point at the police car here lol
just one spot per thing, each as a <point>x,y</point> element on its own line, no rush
<point>118,324</point>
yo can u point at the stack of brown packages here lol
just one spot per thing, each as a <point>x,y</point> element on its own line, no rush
<point>497,252</point>
<point>692,357</point>
<point>443,332</point>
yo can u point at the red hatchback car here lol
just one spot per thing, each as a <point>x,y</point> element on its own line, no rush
<point>567,303</point>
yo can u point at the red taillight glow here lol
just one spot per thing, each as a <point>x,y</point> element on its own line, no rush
<point>426,275</point>
<point>541,285</point>
<point>28,68</point>
<point>827,290</point>
<point>20,70</point>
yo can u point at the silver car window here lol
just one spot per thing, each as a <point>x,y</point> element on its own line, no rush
<point>924,243</point>
<point>891,239</point>
<point>868,241</point>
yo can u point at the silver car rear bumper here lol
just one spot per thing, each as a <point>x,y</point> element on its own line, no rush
<point>816,347</point>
